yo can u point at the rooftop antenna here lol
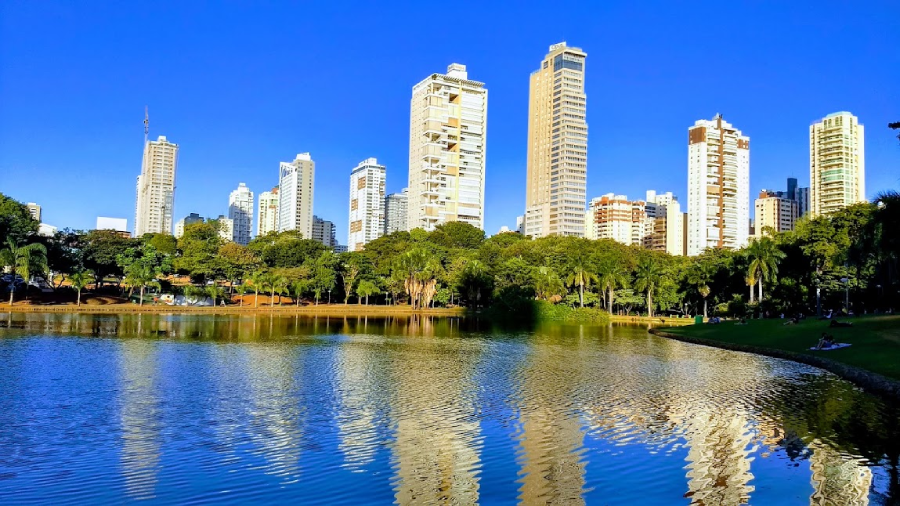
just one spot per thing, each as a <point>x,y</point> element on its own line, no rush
<point>146,123</point>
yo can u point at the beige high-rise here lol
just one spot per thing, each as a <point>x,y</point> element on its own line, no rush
<point>267,212</point>
<point>156,188</point>
<point>837,163</point>
<point>295,195</point>
<point>557,145</point>
<point>447,142</point>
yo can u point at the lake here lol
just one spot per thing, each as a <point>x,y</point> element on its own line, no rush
<point>237,409</point>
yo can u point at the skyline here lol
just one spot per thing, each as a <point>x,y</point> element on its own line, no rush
<point>236,125</point>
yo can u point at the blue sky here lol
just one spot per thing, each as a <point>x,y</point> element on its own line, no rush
<point>243,85</point>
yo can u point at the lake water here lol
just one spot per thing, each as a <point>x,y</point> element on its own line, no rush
<point>236,409</point>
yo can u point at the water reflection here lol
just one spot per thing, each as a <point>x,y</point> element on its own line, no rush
<point>426,410</point>
<point>139,415</point>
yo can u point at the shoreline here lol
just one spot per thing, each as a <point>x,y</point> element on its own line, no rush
<point>323,309</point>
<point>867,380</point>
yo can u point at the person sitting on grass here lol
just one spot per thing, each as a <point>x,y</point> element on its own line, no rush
<point>743,321</point>
<point>827,341</point>
<point>835,323</point>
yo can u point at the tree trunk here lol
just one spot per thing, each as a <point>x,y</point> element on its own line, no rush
<point>751,294</point>
<point>272,300</point>
<point>581,294</point>
<point>317,299</point>
<point>256,299</point>
<point>760,290</point>
<point>704,308</point>
<point>79,296</point>
<point>649,304</point>
<point>142,296</point>
<point>610,299</point>
<point>367,300</point>
<point>11,292</point>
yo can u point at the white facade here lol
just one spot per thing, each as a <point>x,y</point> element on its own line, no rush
<point>117,224</point>
<point>324,232</point>
<point>775,210</point>
<point>267,213</point>
<point>556,182</point>
<point>156,188</point>
<point>718,186</point>
<point>295,195</point>
<point>837,163</point>
<point>395,212</point>
<point>666,223</point>
<point>447,142</point>
<point>34,210</point>
<point>367,204</point>
<point>240,211</point>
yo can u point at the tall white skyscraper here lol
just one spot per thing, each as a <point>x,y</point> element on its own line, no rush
<point>718,186</point>
<point>366,204</point>
<point>555,194</point>
<point>156,188</point>
<point>447,140</point>
<point>240,211</point>
<point>837,163</point>
<point>395,211</point>
<point>267,212</point>
<point>295,195</point>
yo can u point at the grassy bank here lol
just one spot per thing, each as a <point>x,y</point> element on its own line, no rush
<point>875,340</point>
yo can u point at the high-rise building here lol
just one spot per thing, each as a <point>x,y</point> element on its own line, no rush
<point>323,231</point>
<point>617,218</point>
<point>557,145</point>
<point>664,230</point>
<point>295,195</point>
<point>802,202</point>
<point>184,222</point>
<point>447,141</point>
<point>267,212</point>
<point>240,211</point>
<point>395,212</point>
<point>775,210</point>
<point>837,163</point>
<point>226,227</point>
<point>718,186</point>
<point>34,210</point>
<point>367,204</point>
<point>156,188</point>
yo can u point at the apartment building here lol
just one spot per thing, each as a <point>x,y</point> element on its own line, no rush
<point>718,186</point>
<point>295,195</point>
<point>240,212</point>
<point>324,232</point>
<point>837,163</point>
<point>395,212</point>
<point>267,212</point>
<point>367,204</point>
<point>556,182</point>
<point>615,217</point>
<point>156,188</point>
<point>775,211</point>
<point>447,147</point>
<point>665,225</point>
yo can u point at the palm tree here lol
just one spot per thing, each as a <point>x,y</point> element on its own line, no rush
<point>279,286</point>
<point>365,289</point>
<point>241,289</point>
<point>297,289</point>
<point>612,275</point>
<point>547,283</point>
<point>79,279</point>
<point>141,275</point>
<point>764,256</point>
<point>26,259</point>
<point>257,279</point>
<point>579,276</point>
<point>647,276</point>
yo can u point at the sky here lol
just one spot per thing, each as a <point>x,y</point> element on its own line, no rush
<point>242,86</point>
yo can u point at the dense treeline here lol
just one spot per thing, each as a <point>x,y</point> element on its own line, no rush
<point>852,253</point>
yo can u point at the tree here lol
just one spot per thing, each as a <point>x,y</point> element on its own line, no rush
<point>23,259</point>
<point>547,283</point>
<point>580,276</point>
<point>100,250</point>
<point>349,273</point>
<point>236,261</point>
<point>323,277</point>
<point>241,289</point>
<point>764,257</point>
<point>298,288</point>
<point>647,277</point>
<point>418,269</point>
<point>457,234</point>
<point>365,289</point>
<point>142,266</point>
<point>79,280</point>
<point>16,222</point>
<point>285,249</point>
<point>164,243</point>
<point>257,280</point>
<point>612,275</point>
<point>278,283</point>
<point>198,252</point>
<point>474,282</point>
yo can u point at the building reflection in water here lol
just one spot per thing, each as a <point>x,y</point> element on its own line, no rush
<point>139,416</point>
<point>359,367</point>
<point>437,439</point>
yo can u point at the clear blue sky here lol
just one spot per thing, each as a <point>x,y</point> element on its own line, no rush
<point>243,85</point>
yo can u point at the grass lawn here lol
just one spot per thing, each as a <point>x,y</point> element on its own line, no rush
<point>875,339</point>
